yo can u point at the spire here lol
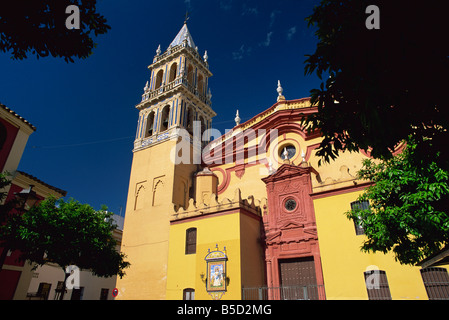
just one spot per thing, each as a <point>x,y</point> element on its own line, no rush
<point>183,35</point>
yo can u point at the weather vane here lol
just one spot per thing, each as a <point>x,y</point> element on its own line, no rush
<point>187,17</point>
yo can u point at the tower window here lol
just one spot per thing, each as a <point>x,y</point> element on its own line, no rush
<point>200,85</point>
<point>150,125</point>
<point>191,241</point>
<point>173,70</point>
<point>165,118</point>
<point>189,124</point>
<point>203,125</point>
<point>190,75</point>
<point>159,77</point>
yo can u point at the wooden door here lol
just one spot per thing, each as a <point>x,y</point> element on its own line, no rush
<point>298,279</point>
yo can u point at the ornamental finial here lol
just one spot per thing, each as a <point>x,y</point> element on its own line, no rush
<point>209,95</point>
<point>237,118</point>
<point>205,57</point>
<point>280,90</point>
<point>285,154</point>
<point>158,51</point>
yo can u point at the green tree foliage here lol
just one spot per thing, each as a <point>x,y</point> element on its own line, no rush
<point>39,28</point>
<point>66,233</point>
<point>5,180</point>
<point>408,206</point>
<point>381,85</point>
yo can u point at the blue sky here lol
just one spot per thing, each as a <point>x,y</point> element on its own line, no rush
<point>85,111</point>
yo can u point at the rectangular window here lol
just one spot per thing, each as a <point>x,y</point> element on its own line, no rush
<point>104,294</point>
<point>44,290</point>
<point>436,281</point>
<point>377,285</point>
<point>362,205</point>
<point>188,294</point>
<point>77,294</point>
<point>191,241</point>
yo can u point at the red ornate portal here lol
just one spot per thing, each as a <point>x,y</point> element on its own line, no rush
<point>291,243</point>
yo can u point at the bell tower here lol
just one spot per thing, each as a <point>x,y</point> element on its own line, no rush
<point>175,99</point>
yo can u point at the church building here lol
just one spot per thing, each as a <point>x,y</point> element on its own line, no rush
<point>250,214</point>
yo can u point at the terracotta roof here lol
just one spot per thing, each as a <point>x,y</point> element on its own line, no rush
<point>17,116</point>
<point>63,192</point>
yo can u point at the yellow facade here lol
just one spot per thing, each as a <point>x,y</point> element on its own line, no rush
<point>237,231</point>
<point>344,263</point>
<point>227,203</point>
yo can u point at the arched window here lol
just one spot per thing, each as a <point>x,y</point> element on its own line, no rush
<point>150,125</point>
<point>203,125</point>
<point>189,119</point>
<point>165,116</point>
<point>190,75</point>
<point>191,241</point>
<point>173,71</point>
<point>201,85</point>
<point>159,77</point>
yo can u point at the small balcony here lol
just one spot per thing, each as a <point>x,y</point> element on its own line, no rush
<point>173,85</point>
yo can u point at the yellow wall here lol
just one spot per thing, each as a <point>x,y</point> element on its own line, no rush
<point>344,264</point>
<point>226,230</point>
<point>146,230</point>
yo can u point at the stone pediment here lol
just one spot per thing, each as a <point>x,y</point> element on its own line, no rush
<point>291,225</point>
<point>286,171</point>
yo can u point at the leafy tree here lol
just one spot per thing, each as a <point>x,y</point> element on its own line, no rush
<point>381,85</point>
<point>408,206</point>
<point>6,209</point>
<point>39,28</point>
<point>67,233</point>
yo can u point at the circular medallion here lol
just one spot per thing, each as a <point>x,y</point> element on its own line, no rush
<point>290,205</point>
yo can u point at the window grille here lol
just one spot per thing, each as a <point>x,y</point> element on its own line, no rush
<point>362,205</point>
<point>191,241</point>
<point>436,281</point>
<point>188,294</point>
<point>377,285</point>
